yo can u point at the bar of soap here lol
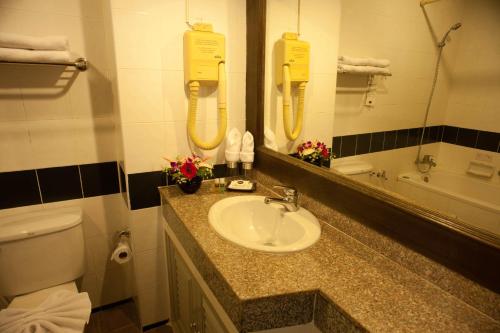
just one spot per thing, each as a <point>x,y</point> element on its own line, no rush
<point>241,185</point>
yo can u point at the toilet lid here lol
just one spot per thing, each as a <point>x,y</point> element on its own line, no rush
<point>353,167</point>
<point>34,299</point>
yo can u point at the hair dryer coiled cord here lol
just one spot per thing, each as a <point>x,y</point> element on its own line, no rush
<point>194,87</point>
<point>287,117</point>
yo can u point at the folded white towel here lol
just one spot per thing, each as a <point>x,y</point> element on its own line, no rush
<point>62,312</point>
<point>7,54</point>
<point>364,61</point>
<point>247,146</point>
<point>270,139</point>
<point>15,41</point>
<point>341,68</point>
<point>233,145</point>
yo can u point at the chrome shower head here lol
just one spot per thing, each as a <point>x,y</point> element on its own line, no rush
<point>456,26</point>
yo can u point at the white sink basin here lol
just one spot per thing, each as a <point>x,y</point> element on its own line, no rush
<point>249,222</point>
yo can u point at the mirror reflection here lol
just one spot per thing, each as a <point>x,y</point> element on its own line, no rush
<point>403,92</point>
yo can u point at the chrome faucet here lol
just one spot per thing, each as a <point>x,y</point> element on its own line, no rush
<point>429,160</point>
<point>289,201</point>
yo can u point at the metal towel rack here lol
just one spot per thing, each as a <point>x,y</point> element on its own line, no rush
<point>339,71</point>
<point>80,63</point>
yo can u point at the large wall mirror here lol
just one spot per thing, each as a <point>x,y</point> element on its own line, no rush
<point>411,108</point>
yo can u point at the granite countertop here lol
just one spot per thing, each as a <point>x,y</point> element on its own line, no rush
<point>340,282</point>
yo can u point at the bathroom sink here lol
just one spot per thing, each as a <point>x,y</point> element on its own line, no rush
<point>249,222</point>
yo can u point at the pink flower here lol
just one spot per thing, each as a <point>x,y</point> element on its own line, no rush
<point>173,165</point>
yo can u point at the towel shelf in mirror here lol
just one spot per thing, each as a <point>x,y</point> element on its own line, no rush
<point>339,71</point>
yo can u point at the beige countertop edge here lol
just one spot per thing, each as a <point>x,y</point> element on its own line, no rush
<point>375,292</point>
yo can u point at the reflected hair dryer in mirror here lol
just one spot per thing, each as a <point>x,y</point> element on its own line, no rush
<point>292,67</point>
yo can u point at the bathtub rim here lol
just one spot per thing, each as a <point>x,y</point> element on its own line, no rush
<point>450,194</point>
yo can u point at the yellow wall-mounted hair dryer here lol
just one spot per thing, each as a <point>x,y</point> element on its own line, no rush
<point>292,67</point>
<point>204,57</point>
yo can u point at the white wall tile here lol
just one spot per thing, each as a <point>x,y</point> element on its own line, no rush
<point>143,6</point>
<point>116,284</point>
<point>103,215</point>
<point>401,99</point>
<point>46,102</point>
<point>137,39</point>
<point>140,95</point>
<point>145,228</point>
<point>15,147</point>
<point>90,95</point>
<point>153,305</point>
<point>51,96</point>
<point>174,94</point>
<point>11,104</point>
<point>176,140</point>
<point>95,139</point>
<point>319,26</point>
<point>52,142</point>
<point>475,84</point>
<point>145,146</point>
<point>151,269</point>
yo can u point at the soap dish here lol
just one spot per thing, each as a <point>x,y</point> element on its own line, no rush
<point>241,185</point>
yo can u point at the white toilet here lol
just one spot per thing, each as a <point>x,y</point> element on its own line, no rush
<point>40,253</point>
<point>357,169</point>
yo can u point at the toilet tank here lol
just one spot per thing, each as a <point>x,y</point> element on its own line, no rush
<point>40,250</point>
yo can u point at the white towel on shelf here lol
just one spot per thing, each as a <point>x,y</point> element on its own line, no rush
<point>233,145</point>
<point>62,312</point>
<point>342,68</point>
<point>247,146</point>
<point>19,55</point>
<point>364,61</point>
<point>15,41</point>
<point>270,139</point>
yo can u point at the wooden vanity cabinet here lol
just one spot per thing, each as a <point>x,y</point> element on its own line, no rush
<point>191,310</point>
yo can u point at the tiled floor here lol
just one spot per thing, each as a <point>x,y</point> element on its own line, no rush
<point>122,318</point>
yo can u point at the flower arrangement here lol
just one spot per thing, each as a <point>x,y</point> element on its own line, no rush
<point>187,169</point>
<point>313,152</point>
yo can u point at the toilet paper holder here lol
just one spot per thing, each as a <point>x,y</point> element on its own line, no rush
<point>122,252</point>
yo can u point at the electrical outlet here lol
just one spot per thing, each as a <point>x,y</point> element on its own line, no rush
<point>370,99</point>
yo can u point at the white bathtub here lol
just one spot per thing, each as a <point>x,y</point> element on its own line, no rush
<point>474,201</point>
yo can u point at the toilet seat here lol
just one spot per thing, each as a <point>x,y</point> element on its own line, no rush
<point>34,299</point>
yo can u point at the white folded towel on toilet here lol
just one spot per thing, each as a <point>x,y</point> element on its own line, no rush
<point>247,146</point>
<point>233,145</point>
<point>342,68</point>
<point>62,312</point>
<point>15,41</point>
<point>7,54</point>
<point>364,61</point>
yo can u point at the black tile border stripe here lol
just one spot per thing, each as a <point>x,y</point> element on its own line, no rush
<point>53,184</point>
<point>143,186</point>
<point>356,144</point>
<point>155,325</point>
<point>19,188</point>
<point>60,183</point>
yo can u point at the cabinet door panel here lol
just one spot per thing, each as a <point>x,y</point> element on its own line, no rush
<point>211,322</point>
<point>182,293</point>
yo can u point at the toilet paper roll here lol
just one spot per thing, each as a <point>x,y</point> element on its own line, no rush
<point>122,252</point>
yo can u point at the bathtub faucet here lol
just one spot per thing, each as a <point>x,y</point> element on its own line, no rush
<point>426,160</point>
<point>429,160</point>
